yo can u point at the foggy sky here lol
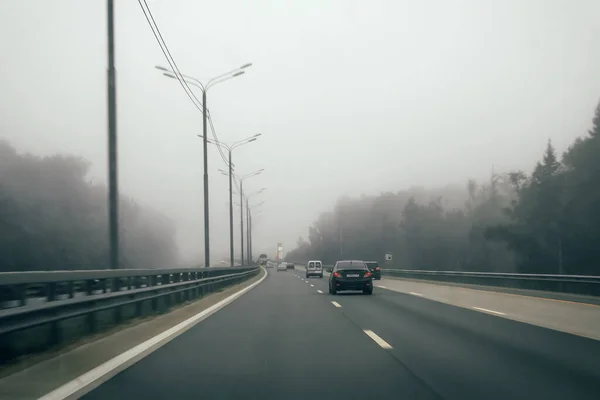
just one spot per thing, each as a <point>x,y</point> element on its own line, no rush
<point>351,96</point>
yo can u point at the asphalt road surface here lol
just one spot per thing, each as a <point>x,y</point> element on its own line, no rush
<point>287,340</point>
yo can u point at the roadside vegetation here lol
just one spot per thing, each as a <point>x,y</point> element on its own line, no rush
<point>53,218</point>
<point>545,221</point>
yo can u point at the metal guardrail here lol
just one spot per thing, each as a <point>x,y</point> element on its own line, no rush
<point>573,284</point>
<point>48,301</point>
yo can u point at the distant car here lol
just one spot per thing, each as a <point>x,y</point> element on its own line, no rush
<point>375,269</point>
<point>314,268</point>
<point>269,264</point>
<point>281,267</point>
<point>290,265</point>
<point>351,275</point>
<point>262,259</point>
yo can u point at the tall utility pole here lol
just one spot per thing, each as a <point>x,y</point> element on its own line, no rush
<point>249,223</point>
<point>205,152</point>
<point>242,219</point>
<point>230,210</point>
<point>248,233</point>
<point>113,185</point>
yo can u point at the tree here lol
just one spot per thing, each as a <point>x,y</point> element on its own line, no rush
<point>554,222</point>
<point>545,222</point>
<point>52,218</point>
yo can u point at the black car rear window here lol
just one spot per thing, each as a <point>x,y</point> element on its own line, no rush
<point>350,265</point>
<point>372,264</point>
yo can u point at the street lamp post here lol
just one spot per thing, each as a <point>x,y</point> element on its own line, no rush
<point>242,221</point>
<point>113,185</point>
<point>204,88</point>
<point>248,231</point>
<point>241,180</point>
<point>229,149</point>
<point>249,223</point>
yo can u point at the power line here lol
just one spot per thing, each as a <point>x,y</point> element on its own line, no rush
<point>167,53</point>
<point>171,60</point>
<point>214,133</point>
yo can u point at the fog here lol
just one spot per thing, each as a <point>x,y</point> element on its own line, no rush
<point>351,98</point>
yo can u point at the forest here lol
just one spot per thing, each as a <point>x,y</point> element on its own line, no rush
<point>542,221</point>
<point>53,218</point>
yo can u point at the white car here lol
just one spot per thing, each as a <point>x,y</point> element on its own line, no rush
<point>314,268</point>
<point>281,267</point>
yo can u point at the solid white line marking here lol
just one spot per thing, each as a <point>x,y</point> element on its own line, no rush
<point>489,311</point>
<point>416,294</point>
<point>320,291</point>
<point>377,339</point>
<point>95,377</point>
<point>312,285</point>
<point>335,303</point>
<point>381,286</point>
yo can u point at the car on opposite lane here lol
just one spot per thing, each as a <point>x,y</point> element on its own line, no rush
<point>375,269</point>
<point>351,275</point>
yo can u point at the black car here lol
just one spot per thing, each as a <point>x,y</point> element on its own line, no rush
<point>351,275</point>
<point>375,269</point>
<point>291,265</point>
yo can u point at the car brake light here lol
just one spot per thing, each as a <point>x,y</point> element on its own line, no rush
<point>367,274</point>
<point>337,274</point>
<point>377,269</point>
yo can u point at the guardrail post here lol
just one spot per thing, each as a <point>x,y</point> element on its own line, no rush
<point>115,287</point>
<point>151,279</point>
<point>89,287</point>
<point>54,326</point>
<point>21,294</point>
<point>71,289</point>
<point>136,282</point>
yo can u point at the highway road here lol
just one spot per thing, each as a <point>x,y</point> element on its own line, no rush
<point>289,339</point>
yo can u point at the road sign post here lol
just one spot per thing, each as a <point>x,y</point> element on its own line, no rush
<point>388,261</point>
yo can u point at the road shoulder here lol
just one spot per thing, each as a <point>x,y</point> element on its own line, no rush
<point>51,374</point>
<point>582,319</point>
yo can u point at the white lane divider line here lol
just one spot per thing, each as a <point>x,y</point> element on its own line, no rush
<point>312,285</point>
<point>416,294</point>
<point>377,339</point>
<point>103,372</point>
<point>335,303</point>
<point>320,291</point>
<point>488,311</point>
<point>381,286</point>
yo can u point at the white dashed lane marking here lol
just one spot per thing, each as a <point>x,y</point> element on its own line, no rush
<point>377,339</point>
<point>335,303</point>
<point>488,311</point>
